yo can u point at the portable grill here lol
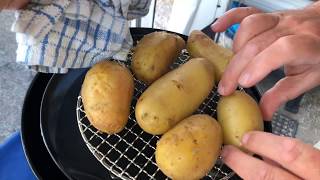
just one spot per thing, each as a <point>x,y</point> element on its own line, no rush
<point>130,153</point>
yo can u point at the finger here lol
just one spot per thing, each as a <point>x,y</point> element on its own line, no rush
<point>289,50</point>
<point>229,80</point>
<point>231,17</point>
<point>248,167</point>
<point>252,26</point>
<point>287,89</point>
<point>302,159</point>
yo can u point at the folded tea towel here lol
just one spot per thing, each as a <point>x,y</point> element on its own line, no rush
<point>55,35</point>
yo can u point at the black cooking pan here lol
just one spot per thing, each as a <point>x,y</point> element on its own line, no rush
<point>59,123</point>
<point>37,155</point>
<point>60,130</point>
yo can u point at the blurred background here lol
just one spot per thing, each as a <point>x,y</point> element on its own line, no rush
<point>300,118</point>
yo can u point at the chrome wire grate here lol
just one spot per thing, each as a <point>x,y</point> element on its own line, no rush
<point>130,153</point>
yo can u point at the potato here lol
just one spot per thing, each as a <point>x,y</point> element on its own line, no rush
<point>238,114</point>
<point>174,96</point>
<point>200,45</point>
<point>190,149</point>
<point>154,54</point>
<point>106,93</point>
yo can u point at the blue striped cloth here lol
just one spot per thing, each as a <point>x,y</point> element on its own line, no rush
<point>55,35</point>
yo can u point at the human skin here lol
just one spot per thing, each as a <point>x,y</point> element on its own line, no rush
<point>268,41</point>
<point>263,43</point>
<point>12,4</point>
<point>287,158</point>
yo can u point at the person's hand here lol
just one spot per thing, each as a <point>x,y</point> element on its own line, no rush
<point>291,158</point>
<point>12,4</point>
<point>268,41</point>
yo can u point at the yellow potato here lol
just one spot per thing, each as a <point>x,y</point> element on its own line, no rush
<point>154,54</point>
<point>200,45</point>
<point>190,149</point>
<point>106,93</point>
<point>238,114</point>
<point>174,96</point>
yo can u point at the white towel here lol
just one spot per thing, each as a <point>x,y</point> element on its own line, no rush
<point>55,35</point>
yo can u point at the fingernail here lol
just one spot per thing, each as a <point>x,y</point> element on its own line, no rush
<point>221,89</point>
<point>244,79</point>
<point>214,25</point>
<point>225,151</point>
<point>245,138</point>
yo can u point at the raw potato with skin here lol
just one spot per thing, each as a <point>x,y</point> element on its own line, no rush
<point>238,113</point>
<point>190,149</point>
<point>174,96</point>
<point>154,54</point>
<point>200,45</point>
<point>106,93</point>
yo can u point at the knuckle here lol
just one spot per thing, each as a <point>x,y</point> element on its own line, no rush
<point>283,99</point>
<point>286,44</point>
<point>251,9</point>
<point>243,10</point>
<point>291,20</point>
<point>295,45</point>
<point>233,10</point>
<point>286,97</point>
<point>249,20</point>
<point>237,10</point>
<point>266,173</point>
<point>251,48</point>
<point>308,40</point>
<point>284,41</point>
<point>291,151</point>
<point>253,138</point>
<point>279,95</point>
<point>268,95</point>
<point>310,27</point>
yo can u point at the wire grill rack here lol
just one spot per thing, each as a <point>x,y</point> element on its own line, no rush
<point>130,153</point>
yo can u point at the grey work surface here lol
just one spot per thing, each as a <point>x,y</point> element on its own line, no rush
<point>15,79</point>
